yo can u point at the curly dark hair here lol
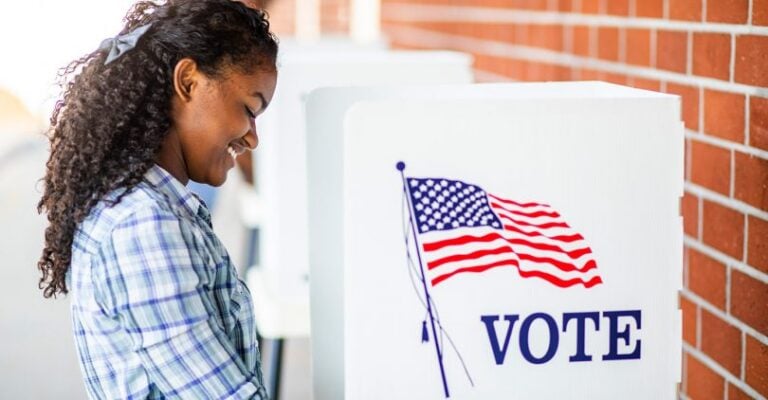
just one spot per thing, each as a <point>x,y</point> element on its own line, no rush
<point>111,120</point>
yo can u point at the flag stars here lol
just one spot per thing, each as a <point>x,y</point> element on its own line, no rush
<point>441,204</point>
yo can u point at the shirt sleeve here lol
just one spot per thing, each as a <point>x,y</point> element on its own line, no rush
<point>156,285</point>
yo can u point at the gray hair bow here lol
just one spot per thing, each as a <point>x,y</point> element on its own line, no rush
<point>121,44</point>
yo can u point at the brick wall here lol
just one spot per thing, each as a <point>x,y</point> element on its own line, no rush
<point>282,16</point>
<point>714,54</point>
<point>334,16</point>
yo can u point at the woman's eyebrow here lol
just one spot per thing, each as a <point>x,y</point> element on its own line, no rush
<point>264,102</point>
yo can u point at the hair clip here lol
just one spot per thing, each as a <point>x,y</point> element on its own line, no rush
<point>120,44</point>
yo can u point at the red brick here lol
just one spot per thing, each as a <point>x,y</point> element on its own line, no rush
<point>522,4</point>
<point>687,160</point>
<point>646,84</point>
<point>749,301</point>
<point>649,8</point>
<point>618,79</point>
<point>565,5</point>
<point>711,167</point>
<point>758,122</point>
<point>689,96</point>
<point>617,7</point>
<point>751,180</point>
<point>730,11</point>
<point>690,210</point>
<point>756,371</point>
<point>712,55</point>
<point>523,34</point>
<point>701,382</point>
<point>689,321</point>
<point>590,75</point>
<point>721,341</point>
<point>581,41</point>
<point>671,50</point>
<point>688,10</point>
<point>638,47</point>
<point>735,393</point>
<point>590,6</point>
<point>547,36</point>
<point>724,115</point>
<point>759,12</point>
<point>752,60</point>
<point>489,64</point>
<point>489,31</point>
<point>546,72</point>
<point>706,278</point>
<point>757,243</point>
<point>608,43</point>
<point>723,229</point>
<point>517,69</point>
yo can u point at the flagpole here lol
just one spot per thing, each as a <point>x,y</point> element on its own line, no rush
<point>401,167</point>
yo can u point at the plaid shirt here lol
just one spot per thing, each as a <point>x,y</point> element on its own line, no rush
<point>157,308</point>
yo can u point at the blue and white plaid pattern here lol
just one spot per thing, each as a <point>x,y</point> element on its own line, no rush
<point>157,308</point>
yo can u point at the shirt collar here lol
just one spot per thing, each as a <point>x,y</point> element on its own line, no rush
<point>176,192</point>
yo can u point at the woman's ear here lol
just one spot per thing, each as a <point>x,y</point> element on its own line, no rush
<point>185,78</point>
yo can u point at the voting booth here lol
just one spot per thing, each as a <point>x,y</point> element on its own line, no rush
<point>281,284</point>
<point>495,242</point>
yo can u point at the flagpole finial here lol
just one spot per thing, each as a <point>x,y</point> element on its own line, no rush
<point>400,165</point>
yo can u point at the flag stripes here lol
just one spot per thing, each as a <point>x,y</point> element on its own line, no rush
<point>464,230</point>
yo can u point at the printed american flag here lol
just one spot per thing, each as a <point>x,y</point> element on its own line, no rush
<point>463,229</point>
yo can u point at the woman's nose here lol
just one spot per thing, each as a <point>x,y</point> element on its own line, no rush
<point>251,138</point>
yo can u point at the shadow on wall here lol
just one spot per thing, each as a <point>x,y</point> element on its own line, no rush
<point>36,342</point>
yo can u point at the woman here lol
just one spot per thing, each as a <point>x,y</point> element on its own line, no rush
<point>157,308</point>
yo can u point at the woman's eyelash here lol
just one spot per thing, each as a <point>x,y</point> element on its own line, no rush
<point>250,113</point>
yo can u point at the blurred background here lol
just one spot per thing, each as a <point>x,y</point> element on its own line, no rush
<point>712,53</point>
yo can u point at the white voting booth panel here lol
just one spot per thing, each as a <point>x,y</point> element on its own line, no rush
<point>552,267</point>
<point>281,160</point>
